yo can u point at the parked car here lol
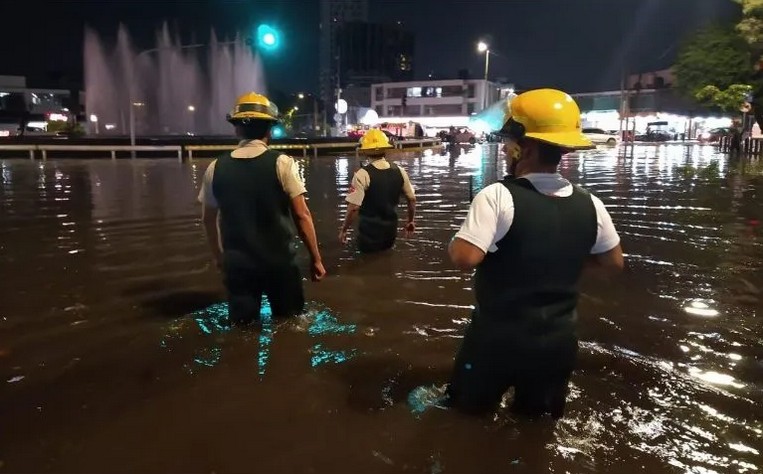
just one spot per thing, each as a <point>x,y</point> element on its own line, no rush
<point>601,137</point>
<point>714,135</point>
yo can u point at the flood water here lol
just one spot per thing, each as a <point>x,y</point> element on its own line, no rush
<point>115,355</point>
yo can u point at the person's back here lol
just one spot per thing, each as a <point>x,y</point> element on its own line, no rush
<point>257,198</point>
<point>374,194</point>
<point>529,239</point>
<point>255,214</point>
<point>541,288</point>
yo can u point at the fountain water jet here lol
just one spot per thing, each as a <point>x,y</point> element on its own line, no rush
<point>174,89</point>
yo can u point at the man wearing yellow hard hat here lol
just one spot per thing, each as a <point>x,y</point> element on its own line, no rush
<point>252,200</point>
<point>529,237</point>
<point>375,194</point>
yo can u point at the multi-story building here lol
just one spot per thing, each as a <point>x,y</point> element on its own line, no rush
<point>424,101</point>
<point>335,13</point>
<point>636,109</point>
<point>35,106</point>
<point>373,53</point>
<point>15,95</point>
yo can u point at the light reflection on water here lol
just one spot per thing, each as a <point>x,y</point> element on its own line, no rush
<point>213,322</point>
<point>670,367</point>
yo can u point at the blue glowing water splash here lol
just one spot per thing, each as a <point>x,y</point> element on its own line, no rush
<point>426,396</point>
<point>266,337</point>
<point>214,320</point>
<point>322,356</point>
<point>326,323</point>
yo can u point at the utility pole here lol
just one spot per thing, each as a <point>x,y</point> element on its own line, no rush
<point>338,85</point>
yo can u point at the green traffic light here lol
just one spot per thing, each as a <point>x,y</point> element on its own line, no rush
<point>268,38</point>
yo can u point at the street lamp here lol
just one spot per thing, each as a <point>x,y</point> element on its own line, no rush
<point>483,47</point>
<point>300,96</point>
<point>94,119</point>
<point>192,120</point>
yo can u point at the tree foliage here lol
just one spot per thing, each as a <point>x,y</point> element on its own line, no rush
<point>729,99</point>
<point>715,56</point>
<point>751,26</point>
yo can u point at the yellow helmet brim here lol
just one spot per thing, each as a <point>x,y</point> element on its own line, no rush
<point>570,140</point>
<point>252,115</point>
<point>374,150</point>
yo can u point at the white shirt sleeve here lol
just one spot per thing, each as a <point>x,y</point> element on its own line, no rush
<point>606,235</point>
<point>206,196</point>
<point>360,182</point>
<point>288,176</point>
<point>489,218</point>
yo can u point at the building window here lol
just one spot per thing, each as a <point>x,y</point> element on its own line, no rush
<point>413,92</point>
<point>470,91</point>
<point>396,93</point>
<point>451,91</point>
<point>379,110</point>
<point>470,108</point>
<point>379,93</point>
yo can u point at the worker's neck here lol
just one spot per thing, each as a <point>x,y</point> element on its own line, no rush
<point>537,169</point>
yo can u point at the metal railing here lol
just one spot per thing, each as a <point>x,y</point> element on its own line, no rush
<point>113,149</point>
<point>43,149</point>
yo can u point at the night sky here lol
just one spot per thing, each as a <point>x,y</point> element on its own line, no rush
<point>577,45</point>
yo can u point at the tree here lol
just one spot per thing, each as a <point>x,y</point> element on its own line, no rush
<point>715,56</point>
<point>751,26</point>
<point>731,98</point>
<point>717,66</point>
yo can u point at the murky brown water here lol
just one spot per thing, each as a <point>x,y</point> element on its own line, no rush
<point>113,358</point>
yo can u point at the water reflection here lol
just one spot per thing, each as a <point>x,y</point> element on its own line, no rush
<point>213,322</point>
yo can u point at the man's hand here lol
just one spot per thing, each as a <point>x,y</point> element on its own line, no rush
<point>409,228</point>
<point>343,235</point>
<point>318,271</point>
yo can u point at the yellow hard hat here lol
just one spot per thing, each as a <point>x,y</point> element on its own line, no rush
<point>253,106</point>
<point>546,115</point>
<point>374,140</point>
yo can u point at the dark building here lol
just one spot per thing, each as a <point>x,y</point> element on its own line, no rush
<point>371,53</point>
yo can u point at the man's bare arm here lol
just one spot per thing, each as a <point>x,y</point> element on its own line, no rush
<point>607,264</point>
<point>465,255</point>
<point>209,219</point>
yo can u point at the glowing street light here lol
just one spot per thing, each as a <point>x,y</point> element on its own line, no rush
<point>300,96</point>
<point>94,120</point>
<point>296,108</point>
<point>191,108</point>
<point>483,47</point>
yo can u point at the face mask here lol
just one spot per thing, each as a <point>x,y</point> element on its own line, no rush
<point>514,153</point>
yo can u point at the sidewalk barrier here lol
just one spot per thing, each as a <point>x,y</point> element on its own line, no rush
<point>401,145</point>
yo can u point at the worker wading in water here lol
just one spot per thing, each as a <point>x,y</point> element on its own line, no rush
<point>375,194</point>
<point>529,237</point>
<point>252,200</point>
